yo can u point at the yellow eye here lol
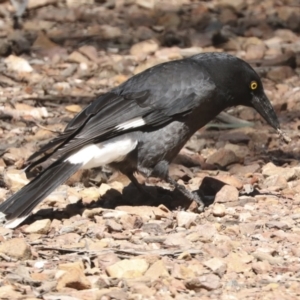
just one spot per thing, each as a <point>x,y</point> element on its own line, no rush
<point>253,85</point>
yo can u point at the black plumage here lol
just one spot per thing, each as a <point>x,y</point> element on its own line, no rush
<point>141,125</point>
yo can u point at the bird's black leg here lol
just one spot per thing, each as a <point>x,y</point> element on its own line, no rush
<point>140,188</point>
<point>161,170</point>
<point>190,195</point>
<point>185,192</point>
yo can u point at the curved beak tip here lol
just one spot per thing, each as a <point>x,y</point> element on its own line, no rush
<point>264,107</point>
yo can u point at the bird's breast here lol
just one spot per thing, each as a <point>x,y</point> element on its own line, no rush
<point>162,144</point>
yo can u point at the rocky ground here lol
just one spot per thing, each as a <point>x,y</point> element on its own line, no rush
<point>96,237</point>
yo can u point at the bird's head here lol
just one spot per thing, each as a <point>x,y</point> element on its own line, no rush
<point>250,92</point>
<point>240,85</point>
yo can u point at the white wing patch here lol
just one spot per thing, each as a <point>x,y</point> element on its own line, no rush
<point>133,123</point>
<point>97,155</point>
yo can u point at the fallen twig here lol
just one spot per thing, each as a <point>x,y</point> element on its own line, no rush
<point>134,252</point>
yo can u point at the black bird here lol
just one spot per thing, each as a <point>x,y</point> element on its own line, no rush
<point>141,125</point>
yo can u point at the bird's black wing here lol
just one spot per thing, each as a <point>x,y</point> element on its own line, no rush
<point>76,124</point>
<point>157,95</point>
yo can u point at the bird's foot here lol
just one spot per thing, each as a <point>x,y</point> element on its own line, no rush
<point>199,200</point>
<point>188,194</point>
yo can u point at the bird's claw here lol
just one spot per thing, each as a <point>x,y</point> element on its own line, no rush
<point>199,201</point>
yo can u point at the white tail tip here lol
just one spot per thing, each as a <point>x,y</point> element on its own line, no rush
<point>11,223</point>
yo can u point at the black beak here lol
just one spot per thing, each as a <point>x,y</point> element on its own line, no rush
<point>264,107</point>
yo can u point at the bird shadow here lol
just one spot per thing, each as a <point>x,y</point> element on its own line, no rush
<point>130,196</point>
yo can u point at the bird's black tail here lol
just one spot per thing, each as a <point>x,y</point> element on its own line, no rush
<point>17,208</point>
